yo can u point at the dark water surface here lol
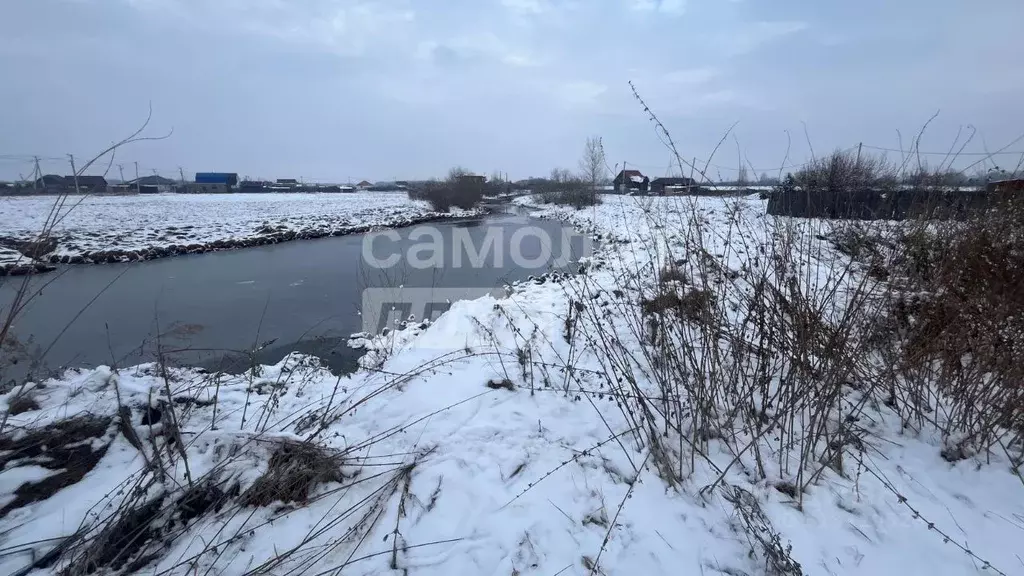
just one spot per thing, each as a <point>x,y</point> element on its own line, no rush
<point>213,309</point>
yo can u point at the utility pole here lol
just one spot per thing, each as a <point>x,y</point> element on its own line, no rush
<point>38,174</point>
<point>136,177</point>
<point>74,173</point>
<point>120,169</point>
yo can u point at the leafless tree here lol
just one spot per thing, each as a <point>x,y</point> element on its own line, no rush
<point>457,172</point>
<point>741,177</point>
<point>561,176</point>
<point>592,164</point>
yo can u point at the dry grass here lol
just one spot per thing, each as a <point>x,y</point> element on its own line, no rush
<point>295,469</point>
<point>21,403</point>
<point>769,344</point>
<point>955,331</point>
<point>774,339</point>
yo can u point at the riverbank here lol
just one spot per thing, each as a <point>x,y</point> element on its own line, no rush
<point>107,229</point>
<point>533,434</point>
<point>227,310</point>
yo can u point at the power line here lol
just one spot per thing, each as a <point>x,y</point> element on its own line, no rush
<point>702,162</point>
<point>913,151</point>
<point>30,157</point>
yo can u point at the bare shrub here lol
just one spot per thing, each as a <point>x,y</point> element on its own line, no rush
<point>844,172</point>
<point>461,189</point>
<point>757,357</point>
<point>766,339</point>
<point>565,189</point>
<point>958,326</point>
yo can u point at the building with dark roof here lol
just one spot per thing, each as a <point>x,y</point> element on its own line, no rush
<point>630,181</point>
<point>659,185</point>
<point>53,183</point>
<point>153,180</point>
<point>1015,185</point>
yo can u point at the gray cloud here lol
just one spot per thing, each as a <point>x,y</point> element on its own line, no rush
<point>406,88</point>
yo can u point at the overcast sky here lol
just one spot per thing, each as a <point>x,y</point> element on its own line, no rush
<point>380,89</point>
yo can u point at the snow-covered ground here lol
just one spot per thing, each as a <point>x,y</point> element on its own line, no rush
<point>14,262</point>
<point>116,228</point>
<point>484,443</point>
<point>10,257</point>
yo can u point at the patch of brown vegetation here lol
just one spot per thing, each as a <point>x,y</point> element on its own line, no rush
<point>692,305</point>
<point>120,541</point>
<point>503,384</point>
<point>21,403</point>
<point>65,446</point>
<point>962,314</point>
<point>294,471</point>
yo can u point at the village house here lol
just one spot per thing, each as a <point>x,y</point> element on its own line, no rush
<point>214,182</point>
<point>630,181</point>
<point>54,184</point>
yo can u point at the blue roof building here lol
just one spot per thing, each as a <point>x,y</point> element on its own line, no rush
<point>226,178</point>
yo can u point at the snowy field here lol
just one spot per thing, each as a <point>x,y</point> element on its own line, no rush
<point>487,442</point>
<point>117,228</point>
